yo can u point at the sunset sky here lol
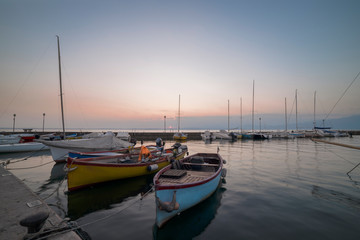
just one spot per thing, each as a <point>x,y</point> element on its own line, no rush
<point>124,63</point>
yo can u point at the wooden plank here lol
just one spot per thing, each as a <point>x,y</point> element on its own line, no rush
<point>201,164</point>
<point>191,176</point>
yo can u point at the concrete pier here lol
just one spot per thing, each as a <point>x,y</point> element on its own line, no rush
<point>19,202</point>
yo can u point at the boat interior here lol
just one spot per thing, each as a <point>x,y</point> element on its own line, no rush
<point>128,158</point>
<point>192,170</point>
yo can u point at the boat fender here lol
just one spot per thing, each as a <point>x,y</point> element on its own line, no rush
<point>168,206</point>
<point>223,173</point>
<point>152,167</point>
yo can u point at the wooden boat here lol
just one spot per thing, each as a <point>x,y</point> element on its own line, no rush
<point>185,183</point>
<point>89,171</point>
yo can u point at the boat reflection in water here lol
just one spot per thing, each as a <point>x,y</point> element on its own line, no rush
<point>57,175</point>
<point>193,221</point>
<point>103,196</point>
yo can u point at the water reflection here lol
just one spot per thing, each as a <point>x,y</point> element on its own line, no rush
<point>192,222</point>
<point>335,196</point>
<point>104,196</point>
<point>57,175</point>
<point>18,156</point>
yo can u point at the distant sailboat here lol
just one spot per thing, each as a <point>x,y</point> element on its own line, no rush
<point>296,133</point>
<point>179,135</point>
<point>324,131</point>
<point>253,135</point>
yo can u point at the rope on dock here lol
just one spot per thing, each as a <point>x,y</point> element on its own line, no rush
<point>72,226</point>
<point>4,164</point>
<point>335,143</point>
<point>28,167</point>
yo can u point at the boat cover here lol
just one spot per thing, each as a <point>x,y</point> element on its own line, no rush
<point>106,142</point>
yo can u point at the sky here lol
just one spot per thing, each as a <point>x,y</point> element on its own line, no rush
<point>125,63</point>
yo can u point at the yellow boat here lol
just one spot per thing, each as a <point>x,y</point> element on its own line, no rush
<point>180,136</point>
<point>89,171</point>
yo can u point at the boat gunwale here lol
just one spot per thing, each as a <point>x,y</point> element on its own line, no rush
<point>95,161</point>
<point>116,150</point>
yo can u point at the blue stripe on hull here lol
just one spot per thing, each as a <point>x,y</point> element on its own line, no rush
<point>186,197</point>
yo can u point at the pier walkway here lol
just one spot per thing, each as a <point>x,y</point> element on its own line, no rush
<point>19,202</point>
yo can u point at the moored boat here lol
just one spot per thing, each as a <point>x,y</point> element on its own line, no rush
<point>185,183</point>
<point>207,136</point>
<point>22,147</point>
<point>180,136</point>
<point>60,149</point>
<point>90,171</point>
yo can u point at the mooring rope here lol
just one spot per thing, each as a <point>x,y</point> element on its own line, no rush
<point>341,145</point>
<point>26,158</point>
<point>74,228</point>
<point>28,167</point>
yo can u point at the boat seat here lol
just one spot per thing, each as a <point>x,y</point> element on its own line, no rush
<point>176,164</point>
<point>174,173</point>
<point>199,160</point>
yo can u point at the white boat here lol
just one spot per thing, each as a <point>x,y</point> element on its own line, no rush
<point>207,136</point>
<point>60,149</point>
<point>22,147</point>
<point>124,136</point>
<point>16,138</point>
<point>222,134</point>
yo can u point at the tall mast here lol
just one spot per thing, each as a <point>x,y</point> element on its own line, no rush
<point>252,126</point>
<point>61,94</point>
<point>228,115</point>
<point>314,109</point>
<point>296,110</point>
<point>241,114</point>
<point>179,116</point>
<point>285,116</point>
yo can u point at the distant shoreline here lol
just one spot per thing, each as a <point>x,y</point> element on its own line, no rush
<point>146,135</point>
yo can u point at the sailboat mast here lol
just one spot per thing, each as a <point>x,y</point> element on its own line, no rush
<point>252,126</point>
<point>61,94</point>
<point>296,110</point>
<point>241,114</point>
<point>314,109</point>
<point>228,115</point>
<point>179,116</point>
<point>285,116</point>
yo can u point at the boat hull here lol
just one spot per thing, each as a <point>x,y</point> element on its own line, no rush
<point>60,149</point>
<point>22,147</point>
<point>83,173</point>
<point>186,197</point>
<point>184,188</point>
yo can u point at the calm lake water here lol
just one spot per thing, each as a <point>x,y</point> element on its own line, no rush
<point>274,189</point>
